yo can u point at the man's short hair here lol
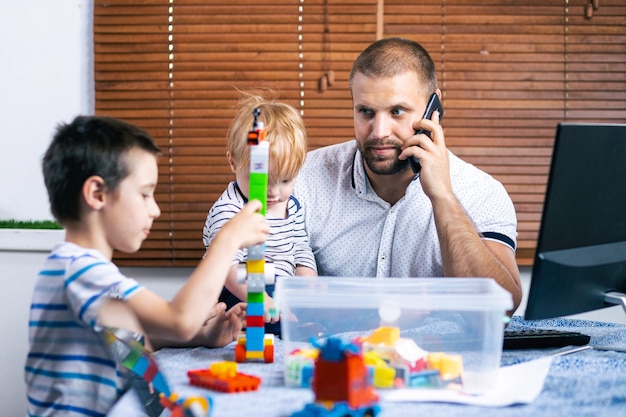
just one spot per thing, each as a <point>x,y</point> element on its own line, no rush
<point>389,57</point>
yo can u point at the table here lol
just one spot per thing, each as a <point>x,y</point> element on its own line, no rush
<point>587,383</point>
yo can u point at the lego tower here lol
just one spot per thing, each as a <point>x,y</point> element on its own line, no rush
<point>255,345</point>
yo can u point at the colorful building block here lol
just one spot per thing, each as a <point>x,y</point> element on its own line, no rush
<point>340,383</point>
<point>224,377</point>
<point>133,355</point>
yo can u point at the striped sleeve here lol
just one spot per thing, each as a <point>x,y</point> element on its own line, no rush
<point>303,252</point>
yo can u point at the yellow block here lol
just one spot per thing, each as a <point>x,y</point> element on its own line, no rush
<point>254,355</point>
<point>383,377</point>
<point>373,358</point>
<point>451,367</point>
<point>196,402</point>
<point>224,369</point>
<point>255,267</point>
<point>308,353</point>
<point>433,360</point>
<point>384,335</point>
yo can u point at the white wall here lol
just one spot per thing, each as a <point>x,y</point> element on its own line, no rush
<point>45,79</point>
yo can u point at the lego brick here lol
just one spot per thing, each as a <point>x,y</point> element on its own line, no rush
<point>255,309</point>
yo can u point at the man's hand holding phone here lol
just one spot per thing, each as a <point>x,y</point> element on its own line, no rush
<point>433,104</point>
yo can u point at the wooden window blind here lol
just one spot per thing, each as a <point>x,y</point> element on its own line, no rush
<point>509,72</point>
<point>132,83</point>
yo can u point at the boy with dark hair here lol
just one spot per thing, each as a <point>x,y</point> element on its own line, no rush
<point>101,174</point>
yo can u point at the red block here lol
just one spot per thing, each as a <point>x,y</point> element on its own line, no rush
<point>255,321</point>
<point>239,383</point>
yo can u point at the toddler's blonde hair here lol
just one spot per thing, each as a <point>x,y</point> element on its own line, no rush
<point>285,132</point>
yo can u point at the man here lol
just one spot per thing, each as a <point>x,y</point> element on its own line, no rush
<point>369,214</point>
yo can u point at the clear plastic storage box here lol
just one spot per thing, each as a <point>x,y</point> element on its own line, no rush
<point>429,332</point>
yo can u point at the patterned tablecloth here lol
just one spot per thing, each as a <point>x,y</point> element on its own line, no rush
<point>588,383</point>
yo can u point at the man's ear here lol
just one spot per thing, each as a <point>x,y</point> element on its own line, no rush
<point>93,192</point>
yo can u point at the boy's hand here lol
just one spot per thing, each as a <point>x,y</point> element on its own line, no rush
<point>248,226</point>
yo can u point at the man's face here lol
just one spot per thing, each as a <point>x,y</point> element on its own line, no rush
<point>384,112</point>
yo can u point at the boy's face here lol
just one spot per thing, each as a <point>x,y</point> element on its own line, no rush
<point>129,214</point>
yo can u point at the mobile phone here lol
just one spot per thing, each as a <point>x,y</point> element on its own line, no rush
<point>433,104</point>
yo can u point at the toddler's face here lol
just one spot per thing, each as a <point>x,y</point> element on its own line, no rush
<point>278,189</point>
<point>278,192</point>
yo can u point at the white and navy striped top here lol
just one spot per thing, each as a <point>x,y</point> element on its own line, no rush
<point>69,370</point>
<point>287,245</point>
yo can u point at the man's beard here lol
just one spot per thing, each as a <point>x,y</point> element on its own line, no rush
<point>383,166</point>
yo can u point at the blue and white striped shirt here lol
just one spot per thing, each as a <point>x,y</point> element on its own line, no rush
<point>69,370</point>
<point>287,245</point>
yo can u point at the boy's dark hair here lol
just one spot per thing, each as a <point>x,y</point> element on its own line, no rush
<point>90,145</point>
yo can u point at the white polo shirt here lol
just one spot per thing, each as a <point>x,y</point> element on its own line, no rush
<point>354,233</point>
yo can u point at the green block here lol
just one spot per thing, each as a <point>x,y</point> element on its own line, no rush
<point>131,359</point>
<point>256,297</point>
<point>258,189</point>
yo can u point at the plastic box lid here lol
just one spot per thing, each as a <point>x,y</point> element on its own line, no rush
<point>457,294</point>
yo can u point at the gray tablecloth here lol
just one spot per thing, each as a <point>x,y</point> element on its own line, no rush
<point>589,383</point>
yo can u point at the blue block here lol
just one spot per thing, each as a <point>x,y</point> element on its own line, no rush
<point>255,346</point>
<point>254,343</point>
<point>255,309</point>
<point>255,333</point>
<point>141,366</point>
<point>429,378</point>
<point>160,384</point>
<point>307,375</point>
